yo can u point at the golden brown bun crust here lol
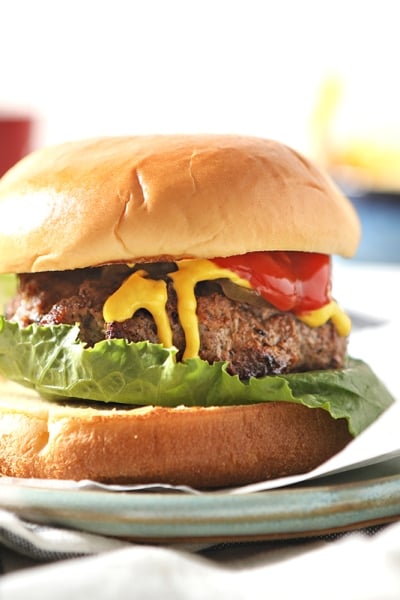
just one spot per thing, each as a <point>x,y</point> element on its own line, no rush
<point>202,447</point>
<point>116,199</point>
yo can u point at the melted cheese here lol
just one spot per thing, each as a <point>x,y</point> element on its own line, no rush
<point>140,292</point>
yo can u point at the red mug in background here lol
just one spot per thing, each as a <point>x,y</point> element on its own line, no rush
<point>16,139</point>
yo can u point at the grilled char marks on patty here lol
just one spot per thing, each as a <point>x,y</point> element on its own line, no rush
<point>255,340</point>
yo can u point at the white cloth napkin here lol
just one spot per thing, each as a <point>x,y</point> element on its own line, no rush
<point>355,567</point>
<point>47,543</point>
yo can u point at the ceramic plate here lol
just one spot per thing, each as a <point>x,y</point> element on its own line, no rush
<point>311,509</point>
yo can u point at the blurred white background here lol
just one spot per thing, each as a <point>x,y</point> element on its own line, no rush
<point>94,67</point>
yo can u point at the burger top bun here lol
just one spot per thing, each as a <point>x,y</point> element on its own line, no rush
<point>126,199</point>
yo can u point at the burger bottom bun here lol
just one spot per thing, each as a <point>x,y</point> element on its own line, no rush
<point>202,447</point>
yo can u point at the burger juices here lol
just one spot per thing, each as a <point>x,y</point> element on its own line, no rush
<point>173,313</point>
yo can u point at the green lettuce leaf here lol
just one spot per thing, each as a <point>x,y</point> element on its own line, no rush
<point>8,285</point>
<point>53,361</point>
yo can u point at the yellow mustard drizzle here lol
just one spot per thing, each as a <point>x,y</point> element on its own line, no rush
<point>136,292</point>
<point>139,291</point>
<point>189,273</point>
<point>332,311</point>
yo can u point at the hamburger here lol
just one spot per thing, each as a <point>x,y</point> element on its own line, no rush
<point>173,319</point>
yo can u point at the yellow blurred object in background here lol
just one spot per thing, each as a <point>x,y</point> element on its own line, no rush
<point>364,160</point>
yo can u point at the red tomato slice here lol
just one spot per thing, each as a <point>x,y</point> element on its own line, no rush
<point>292,281</point>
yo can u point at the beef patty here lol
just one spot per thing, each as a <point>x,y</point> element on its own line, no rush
<point>254,339</point>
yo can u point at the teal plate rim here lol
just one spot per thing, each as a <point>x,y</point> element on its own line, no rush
<point>155,517</point>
